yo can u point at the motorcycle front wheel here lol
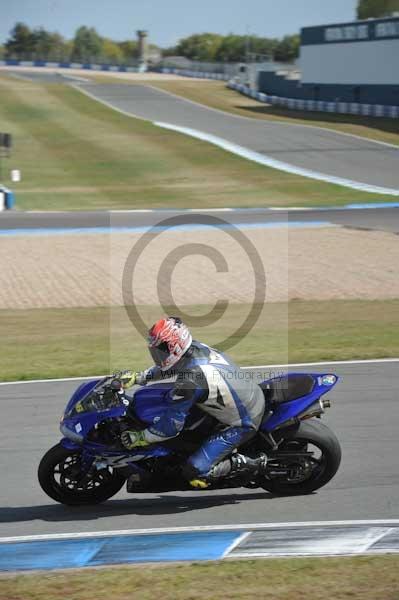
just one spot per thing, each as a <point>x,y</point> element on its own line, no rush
<point>307,461</point>
<point>61,478</point>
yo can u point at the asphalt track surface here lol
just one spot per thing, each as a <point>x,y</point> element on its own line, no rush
<point>364,415</point>
<point>312,148</point>
<point>386,219</point>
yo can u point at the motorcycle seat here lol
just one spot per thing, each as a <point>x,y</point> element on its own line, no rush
<point>287,388</point>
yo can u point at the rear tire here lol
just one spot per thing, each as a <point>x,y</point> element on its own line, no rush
<point>319,435</point>
<point>56,482</point>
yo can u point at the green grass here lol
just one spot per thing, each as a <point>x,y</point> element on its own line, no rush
<point>45,343</point>
<point>365,578</point>
<point>75,153</point>
<point>217,95</point>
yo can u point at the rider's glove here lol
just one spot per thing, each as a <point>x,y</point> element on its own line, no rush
<point>128,378</point>
<point>133,439</point>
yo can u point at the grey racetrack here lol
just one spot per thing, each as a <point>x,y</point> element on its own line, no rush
<point>385,218</point>
<point>364,411</point>
<point>364,415</point>
<point>316,149</point>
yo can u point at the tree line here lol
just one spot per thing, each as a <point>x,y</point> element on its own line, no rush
<point>209,47</point>
<point>87,45</point>
<point>368,9</point>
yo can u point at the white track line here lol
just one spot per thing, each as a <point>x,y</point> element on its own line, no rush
<point>252,155</point>
<point>373,539</point>
<point>310,364</point>
<point>217,110</point>
<point>274,121</point>
<point>268,161</point>
<point>392,523</point>
<point>108,104</point>
<point>236,543</point>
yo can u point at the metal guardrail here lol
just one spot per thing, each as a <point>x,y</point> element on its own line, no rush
<point>196,74</point>
<point>346,108</point>
<point>70,65</point>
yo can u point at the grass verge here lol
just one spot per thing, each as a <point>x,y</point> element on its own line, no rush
<point>45,343</point>
<point>77,154</point>
<point>367,578</point>
<point>216,95</point>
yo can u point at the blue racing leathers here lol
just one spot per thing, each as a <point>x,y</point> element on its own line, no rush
<point>208,379</point>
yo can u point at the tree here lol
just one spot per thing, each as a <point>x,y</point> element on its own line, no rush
<point>287,49</point>
<point>21,42</point>
<point>130,49</point>
<point>60,49</point>
<point>87,44</point>
<point>202,46</point>
<point>111,51</point>
<point>47,45</point>
<point>264,48</point>
<point>233,48</point>
<point>367,9</point>
<point>170,51</point>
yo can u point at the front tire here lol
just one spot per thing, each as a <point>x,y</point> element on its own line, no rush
<point>58,475</point>
<point>311,435</point>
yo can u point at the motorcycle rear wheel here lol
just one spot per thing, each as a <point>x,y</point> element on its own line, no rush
<point>311,434</point>
<point>57,469</point>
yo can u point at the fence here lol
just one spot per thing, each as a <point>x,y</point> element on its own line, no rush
<point>11,62</point>
<point>345,108</point>
<point>196,74</point>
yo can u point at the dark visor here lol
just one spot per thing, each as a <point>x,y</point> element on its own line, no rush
<point>160,353</point>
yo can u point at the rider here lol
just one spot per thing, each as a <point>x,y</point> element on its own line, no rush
<point>206,378</point>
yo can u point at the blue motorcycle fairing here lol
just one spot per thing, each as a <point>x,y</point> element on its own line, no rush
<point>289,410</point>
<point>99,449</point>
<point>149,402</point>
<point>69,444</point>
<point>81,392</point>
<point>80,424</point>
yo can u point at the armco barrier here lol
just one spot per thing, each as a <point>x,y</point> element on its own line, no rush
<point>105,67</point>
<point>69,65</point>
<point>196,74</point>
<point>348,108</point>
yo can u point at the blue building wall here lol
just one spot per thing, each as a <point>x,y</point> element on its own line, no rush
<point>277,85</point>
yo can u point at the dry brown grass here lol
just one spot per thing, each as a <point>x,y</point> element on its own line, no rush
<point>360,578</point>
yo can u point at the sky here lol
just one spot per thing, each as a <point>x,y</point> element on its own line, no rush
<point>170,20</point>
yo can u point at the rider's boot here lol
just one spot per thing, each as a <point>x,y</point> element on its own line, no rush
<point>239,464</point>
<point>230,467</point>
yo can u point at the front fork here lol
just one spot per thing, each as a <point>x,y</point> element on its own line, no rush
<point>88,459</point>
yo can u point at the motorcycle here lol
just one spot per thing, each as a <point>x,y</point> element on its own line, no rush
<point>90,464</point>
